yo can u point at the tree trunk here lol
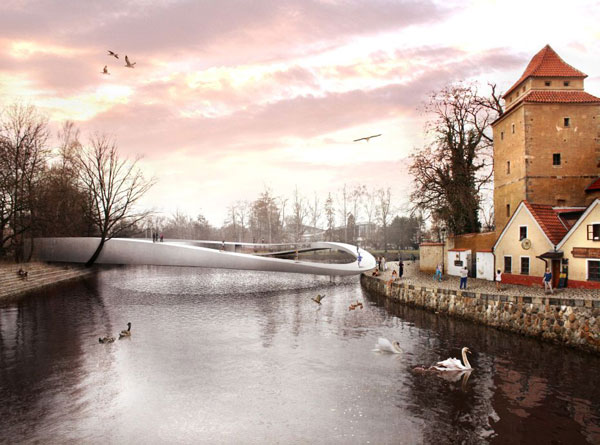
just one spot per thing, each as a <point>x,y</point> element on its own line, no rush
<point>94,257</point>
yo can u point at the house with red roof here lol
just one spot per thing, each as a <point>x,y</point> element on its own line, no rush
<point>528,244</point>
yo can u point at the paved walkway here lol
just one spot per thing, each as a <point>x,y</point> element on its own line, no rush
<point>412,275</point>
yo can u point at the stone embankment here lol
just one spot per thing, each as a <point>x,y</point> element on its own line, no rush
<point>38,275</point>
<point>573,322</point>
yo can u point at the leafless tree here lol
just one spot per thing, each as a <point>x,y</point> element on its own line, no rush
<point>315,211</point>
<point>330,216</point>
<point>23,158</point>
<point>449,174</point>
<point>384,209</point>
<point>299,215</point>
<point>114,185</point>
<point>343,201</point>
<point>370,207</point>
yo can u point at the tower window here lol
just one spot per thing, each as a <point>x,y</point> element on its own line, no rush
<point>556,159</point>
<point>561,203</point>
<point>566,83</point>
<point>508,210</point>
<point>567,121</point>
<point>547,83</point>
<point>508,167</point>
<point>523,89</point>
<point>512,127</point>
<point>501,135</point>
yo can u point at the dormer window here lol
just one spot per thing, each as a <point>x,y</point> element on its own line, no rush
<point>547,83</point>
<point>593,232</point>
<point>566,83</point>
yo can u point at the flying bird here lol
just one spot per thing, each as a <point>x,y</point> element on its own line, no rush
<point>318,298</point>
<point>111,53</point>
<point>105,70</point>
<point>129,64</point>
<point>367,138</point>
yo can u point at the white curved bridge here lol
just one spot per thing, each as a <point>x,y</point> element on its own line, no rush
<point>191,253</point>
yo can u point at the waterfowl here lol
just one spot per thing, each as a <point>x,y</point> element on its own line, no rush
<point>454,364</point>
<point>129,64</point>
<point>106,339</point>
<point>318,298</point>
<point>111,53</point>
<point>384,345</point>
<point>126,333</point>
<point>105,70</point>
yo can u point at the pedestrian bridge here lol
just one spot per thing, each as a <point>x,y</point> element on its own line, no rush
<point>211,254</point>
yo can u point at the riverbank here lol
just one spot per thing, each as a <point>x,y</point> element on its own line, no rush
<point>39,275</point>
<point>563,318</point>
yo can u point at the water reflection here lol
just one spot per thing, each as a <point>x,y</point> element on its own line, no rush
<point>247,357</point>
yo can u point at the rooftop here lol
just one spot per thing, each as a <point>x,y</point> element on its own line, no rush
<point>546,63</point>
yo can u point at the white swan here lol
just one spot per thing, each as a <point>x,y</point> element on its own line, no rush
<point>454,364</point>
<point>384,345</point>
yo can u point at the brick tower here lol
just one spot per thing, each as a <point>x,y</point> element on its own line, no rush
<point>547,143</point>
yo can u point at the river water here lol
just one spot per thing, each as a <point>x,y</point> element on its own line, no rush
<point>246,357</point>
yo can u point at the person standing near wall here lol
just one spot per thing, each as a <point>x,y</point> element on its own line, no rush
<point>464,273</point>
<point>498,279</point>
<point>548,281</point>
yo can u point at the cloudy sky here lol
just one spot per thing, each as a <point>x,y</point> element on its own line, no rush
<point>229,97</point>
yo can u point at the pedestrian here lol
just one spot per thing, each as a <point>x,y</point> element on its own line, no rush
<point>498,279</point>
<point>161,237</point>
<point>464,273</point>
<point>383,264</point>
<point>359,259</point>
<point>378,259</point>
<point>222,245</point>
<point>438,273</point>
<point>548,281</point>
<point>400,269</point>
<point>391,280</point>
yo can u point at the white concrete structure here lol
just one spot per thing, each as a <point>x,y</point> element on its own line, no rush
<point>485,265</point>
<point>142,251</point>
<point>457,259</point>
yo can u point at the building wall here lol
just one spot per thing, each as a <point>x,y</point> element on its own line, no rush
<point>456,260</point>
<point>475,241</point>
<point>509,186</point>
<point>510,245</point>
<point>578,146</point>
<point>578,239</point>
<point>430,255</point>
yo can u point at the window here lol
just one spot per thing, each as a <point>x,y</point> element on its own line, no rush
<point>547,83</point>
<point>508,210</point>
<point>556,159</point>
<point>512,128</point>
<point>594,270</point>
<point>561,203</point>
<point>593,232</point>
<point>523,89</point>
<point>566,83</point>
<point>567,121</point>
<point>507,264</point>
<point>501,135</point>
<point>522,232</point>
<point>508,167</point>
<point>524,265</point>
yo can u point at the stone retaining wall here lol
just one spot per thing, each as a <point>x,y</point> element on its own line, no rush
<point>573,322</point>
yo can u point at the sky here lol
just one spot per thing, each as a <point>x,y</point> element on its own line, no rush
<point>230,97</point>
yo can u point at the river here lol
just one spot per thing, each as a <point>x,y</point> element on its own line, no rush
<point>246,357</point>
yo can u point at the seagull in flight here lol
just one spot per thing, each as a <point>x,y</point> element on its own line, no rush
<point>129,64</point>
<point>105,70</point>
<point>367,138</point>
<point>112,53</point>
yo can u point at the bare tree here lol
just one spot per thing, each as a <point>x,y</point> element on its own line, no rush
<point>23,158</point>
<point>450,173</point>
<point>370,206</point>
<point>343,200</point>
<point>330,216</point>
<point>315,211</point>
<point>384,202</point>
<point>114,185</point>
<point>299,215</point>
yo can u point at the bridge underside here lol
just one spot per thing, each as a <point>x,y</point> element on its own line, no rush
<point>199,254</point>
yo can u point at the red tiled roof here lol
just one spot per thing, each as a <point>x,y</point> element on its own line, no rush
<point>547,63</point>
<point>593,186</point>
<point>548,220</point>
<point>560,97</point>
<point>460,249</point>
